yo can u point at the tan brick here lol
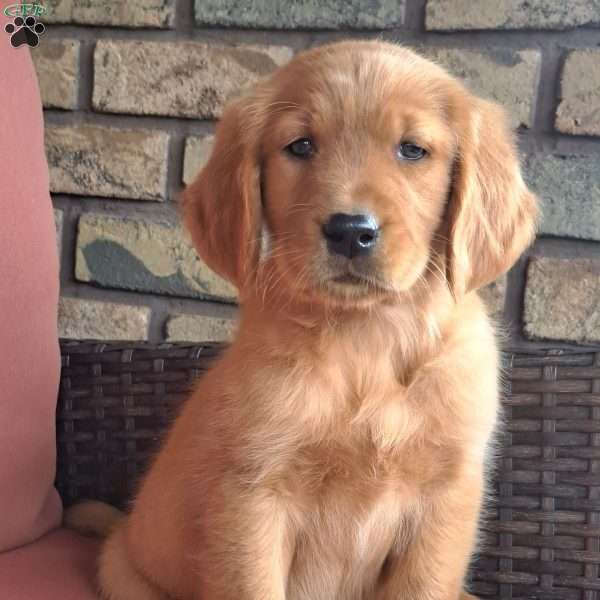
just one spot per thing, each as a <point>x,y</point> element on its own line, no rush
<point>501,74</point>
<point>197,152</point>
<point>199,328</point>
<point>92,320</point>
<point>146,256</point>
<point>579,110</point>
<point>454,15</point>
<point>184,79</point>
<point>56,63</point>
<point>141,13</point>
<point>562,299</point>
<point>104,161</point>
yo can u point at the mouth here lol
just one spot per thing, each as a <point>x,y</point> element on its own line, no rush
<point>359,281</point>
<point>350,279</point>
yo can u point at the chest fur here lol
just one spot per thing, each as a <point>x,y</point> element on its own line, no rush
<point>349,427</point>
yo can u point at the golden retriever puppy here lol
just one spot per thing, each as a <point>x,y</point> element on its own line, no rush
<point>337,450</point>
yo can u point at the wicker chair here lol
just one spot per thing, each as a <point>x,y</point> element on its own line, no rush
<point>541,535</point>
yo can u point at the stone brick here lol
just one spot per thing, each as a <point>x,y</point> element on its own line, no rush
<point>104,161</point>
<point>56,63</point>
<point>309,14</point>
<point>494,296</point>
<point>89,319</point>
<point>569,190</point>
<point>199,328</point>
<point>58,223</point>
<point>197,152</point>
<point>562,299</point>
<point>501,74</point>
<point>141,13</point>
<point>579,110</point>
<point>146,256</point>
<point>182,79</point>
<point>454,15</point>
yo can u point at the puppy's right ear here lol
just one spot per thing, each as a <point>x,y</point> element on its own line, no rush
<point>221,207</point>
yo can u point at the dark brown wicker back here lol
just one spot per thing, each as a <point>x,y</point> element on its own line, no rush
<point>542,533</point>
<point>116,401</point>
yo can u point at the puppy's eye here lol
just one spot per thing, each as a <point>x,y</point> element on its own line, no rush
<point>301,148</point>
<point>410,151</point>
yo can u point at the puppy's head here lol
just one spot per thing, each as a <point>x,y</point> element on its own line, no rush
<point>345,176</point>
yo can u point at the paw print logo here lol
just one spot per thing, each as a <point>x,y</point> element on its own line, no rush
<point>25,31</point>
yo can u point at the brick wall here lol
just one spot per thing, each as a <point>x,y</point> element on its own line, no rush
<point>132,89</point>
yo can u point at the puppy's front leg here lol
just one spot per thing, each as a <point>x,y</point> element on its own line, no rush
<point>432,565</point>
<point>249,548</point>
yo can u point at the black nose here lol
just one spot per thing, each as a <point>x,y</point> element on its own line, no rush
<point>351,235</point>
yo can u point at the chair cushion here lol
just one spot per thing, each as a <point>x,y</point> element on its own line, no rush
<point>30,367</point>
<point>58,566</point>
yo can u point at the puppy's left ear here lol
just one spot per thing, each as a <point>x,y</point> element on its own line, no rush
<point>492,214</point>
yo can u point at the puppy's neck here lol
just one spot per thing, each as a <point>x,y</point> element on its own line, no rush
<point>411,328</point>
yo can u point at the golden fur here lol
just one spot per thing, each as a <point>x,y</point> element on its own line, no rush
<point>337,450</point>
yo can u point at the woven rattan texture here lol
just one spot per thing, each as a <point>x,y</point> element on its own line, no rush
<point>541,536</point>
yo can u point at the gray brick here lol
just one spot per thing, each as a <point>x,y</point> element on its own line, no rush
<point>197,152</point>
<point>104,161</point>
<point>120,13</point>
<point>579,110</point>
<point>199,328</point>
<point>562,299</point>
<point>145,256</point>
<point>501,74</point>
<point>81,319</point>
<point>569,190</point>
<point>182,79</point>
<point>56,63</point>
<point>309,14</point>
<point>494,297</point>
<point>455,15</point>
<point>58,223</point>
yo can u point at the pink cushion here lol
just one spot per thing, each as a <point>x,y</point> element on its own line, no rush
<point>29,363</point>
<point>59,566</point>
